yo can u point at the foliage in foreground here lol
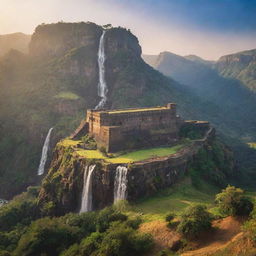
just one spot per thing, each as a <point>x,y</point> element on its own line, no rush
<point>232,201</point>
<point>107,232</point>
<point>195,220</point>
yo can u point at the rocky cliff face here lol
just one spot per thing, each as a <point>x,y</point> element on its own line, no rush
<point>241,66</point>
<point>62,187</point>
<point>56,82</point>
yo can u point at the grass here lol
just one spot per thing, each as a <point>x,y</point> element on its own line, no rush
<point>68,143</point>
<point>174,199</point>
<point>67,96</point>
<point>252,145</point>
<point>135,156</point>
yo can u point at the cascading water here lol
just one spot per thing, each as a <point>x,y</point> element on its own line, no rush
<point>102,85</point>
<point>40,170</point>
<point>120,185</point>
<point>86,204</point>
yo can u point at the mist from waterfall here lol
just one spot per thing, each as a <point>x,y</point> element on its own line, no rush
<point>41,167</point>
<point>120,186</point>
<point>102,85</point>
<point>86,204</point>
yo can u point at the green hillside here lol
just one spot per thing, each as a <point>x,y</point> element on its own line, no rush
<point>241,66</point>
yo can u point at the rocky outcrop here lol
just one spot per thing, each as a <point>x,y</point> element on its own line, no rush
<point>62,187</point>
<point>56,39</point>
<point>241,66</point>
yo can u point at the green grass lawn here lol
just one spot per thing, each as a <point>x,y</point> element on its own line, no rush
<point>135,156</point>
<point>125,158</point>
<point>174,199</point>
<point>67,96</point>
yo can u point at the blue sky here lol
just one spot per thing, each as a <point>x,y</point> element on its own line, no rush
<point>208,28</point>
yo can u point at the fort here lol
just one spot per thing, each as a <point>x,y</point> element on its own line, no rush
<point>135,128</point>
<point>170,145</point>
<point>126,129</point>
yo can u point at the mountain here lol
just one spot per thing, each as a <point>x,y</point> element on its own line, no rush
<point>150,59</point>
<point>199,60</point>
<point>17,41</point>
<point>236,104</point>
<point>180,68</point>
<point>54,84</point>
<point>241,66</point>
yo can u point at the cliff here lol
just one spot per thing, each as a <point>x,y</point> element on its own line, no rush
<point>62,187</point>
<point>57,81</point>
<point>241,66</point>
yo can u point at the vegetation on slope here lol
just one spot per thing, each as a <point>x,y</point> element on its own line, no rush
<point>241,66</point>
<point>230,105</point>
<point>57,81</point>
<point>16,41</point>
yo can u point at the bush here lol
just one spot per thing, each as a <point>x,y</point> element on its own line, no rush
<point>108,215</point>
<point>123,240</point>
<point>46,237</point>
<point>18,212</point>
<point>194,221</point>
<point>170,217</point>
<point>89,142</point>
<point>232,201</point>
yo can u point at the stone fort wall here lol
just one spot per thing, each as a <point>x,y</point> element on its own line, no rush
<point>134,128</point>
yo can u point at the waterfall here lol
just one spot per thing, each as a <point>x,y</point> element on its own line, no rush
<point>86,204</point>
<point>40,170</point>
<point>102,85</point>
<point>120,185</point>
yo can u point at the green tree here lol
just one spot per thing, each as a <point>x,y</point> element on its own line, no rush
<point>46,237</point>
<point>232,201</point>
<point>194,220</point>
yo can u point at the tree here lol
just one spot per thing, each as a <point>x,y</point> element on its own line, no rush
<point>232,201</point>
<point>194,221</point>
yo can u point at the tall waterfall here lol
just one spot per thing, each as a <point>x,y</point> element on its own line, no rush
<point>120,185</point>
<point>102,85</point>
<point>40,170</point>
<point>86,204</point>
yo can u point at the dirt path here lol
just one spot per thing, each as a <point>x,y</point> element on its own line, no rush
<point>163,236</point>
<point>226,231</point>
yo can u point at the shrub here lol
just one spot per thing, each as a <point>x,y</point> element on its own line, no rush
<point>91,243</point>
<point>18,212</point>
<point>108,215</point>
<point>46,237</point>
<point>89,142</point>
<point>232,201</point>
<point>123,240</point>
<point>194,221</point>
<point>170,217</point>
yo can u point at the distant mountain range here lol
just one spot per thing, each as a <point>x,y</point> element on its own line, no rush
<point>236,102</point>
<point>240,66</point>
<point>17,41</point>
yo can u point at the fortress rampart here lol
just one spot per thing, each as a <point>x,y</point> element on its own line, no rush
<point>126,129</point>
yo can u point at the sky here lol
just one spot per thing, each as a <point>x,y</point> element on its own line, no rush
<point>207,28</point>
